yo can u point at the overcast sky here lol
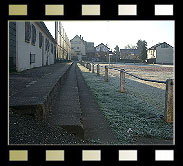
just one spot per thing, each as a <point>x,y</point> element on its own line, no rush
<point>119,33</point>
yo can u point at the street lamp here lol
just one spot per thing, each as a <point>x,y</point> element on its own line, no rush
<point>110,58</point>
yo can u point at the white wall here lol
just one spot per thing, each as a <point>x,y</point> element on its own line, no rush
<point>24,49</point>
<point>151,54</point>
<point>76,42</point>
<point>164,55</point>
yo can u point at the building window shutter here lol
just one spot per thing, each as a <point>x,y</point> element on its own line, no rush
<point>33,35</point>
<point>54,50</point>
<point>51,48</point>
<point>40,39</point>
<point>48,45</point>
<point>27,32</point>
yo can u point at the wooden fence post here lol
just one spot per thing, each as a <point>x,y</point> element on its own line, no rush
<point>93,68</point>
<point>169,101</point>
<point>89,66</point>
<point>106,77</point>
<point>122,81</point>
<point>98,70</point>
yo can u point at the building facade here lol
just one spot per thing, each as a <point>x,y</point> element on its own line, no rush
<point>161,53</point>
<point>63,43</point>
<point>78,48</point>
<point>102,52</point>
<point>30,45</point>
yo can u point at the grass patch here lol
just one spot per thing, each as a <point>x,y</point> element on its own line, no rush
<point>128,115</point>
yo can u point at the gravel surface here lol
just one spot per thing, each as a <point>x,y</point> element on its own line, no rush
<point>27,130</point>
<point>138,113</point>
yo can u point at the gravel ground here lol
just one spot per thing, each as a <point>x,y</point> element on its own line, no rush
<point>27,130</point>
<point>138,113</point>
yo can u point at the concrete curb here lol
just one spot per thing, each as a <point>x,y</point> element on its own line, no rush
<point>39,107</point>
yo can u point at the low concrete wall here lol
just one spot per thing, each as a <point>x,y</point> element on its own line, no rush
<point>50,100</point>
<point>40,108</point>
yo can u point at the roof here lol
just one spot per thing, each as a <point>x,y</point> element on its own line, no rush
<point>157,45</point>
<point>137,51</point>
<point>103,45</point>
<point>45,29</point>
<point>84,42</point>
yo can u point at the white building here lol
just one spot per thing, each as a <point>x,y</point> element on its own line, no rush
<point>102,52</point>
<point>64,45</point>
<point>102,48</point>
<point>162,53</point>
<point>30,45</point>
<point>78,48</point>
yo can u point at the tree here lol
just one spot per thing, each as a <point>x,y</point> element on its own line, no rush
<point>142,47</point>
<point>130,46</point>
<point>117,52</point>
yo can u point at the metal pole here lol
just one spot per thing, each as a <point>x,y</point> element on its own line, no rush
<point>122,81</point>
<point>106,78</point>
<point>109,59</point>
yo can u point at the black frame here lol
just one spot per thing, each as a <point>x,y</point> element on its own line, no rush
<point>145,11</point>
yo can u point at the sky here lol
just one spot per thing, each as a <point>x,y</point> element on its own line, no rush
<point>120,32</point>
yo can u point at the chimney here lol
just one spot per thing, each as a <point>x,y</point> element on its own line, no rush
<point>80,36</point>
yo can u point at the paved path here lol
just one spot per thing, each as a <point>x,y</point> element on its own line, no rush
<point>95,125</point>
<point>73,109</point>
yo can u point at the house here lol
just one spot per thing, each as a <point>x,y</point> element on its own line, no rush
<point>30,45</point>
<point>63,43</point>
<point>78,48</point>
<point>129,54</point>
<point>102,52</point>
<point>161,53</point>
<point>90,51</point>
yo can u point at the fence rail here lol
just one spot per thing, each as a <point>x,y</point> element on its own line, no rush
<point>168,93</point>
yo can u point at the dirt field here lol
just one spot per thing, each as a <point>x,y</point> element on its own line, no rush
<point>152,72</point>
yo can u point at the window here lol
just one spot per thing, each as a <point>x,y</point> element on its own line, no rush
<point>51,48</point>
<point>32,58</point>
<point>27,32</point>
<point>47,44</point>
<point>40,39</point>
<point>33,35</point>
<point>54,50</point>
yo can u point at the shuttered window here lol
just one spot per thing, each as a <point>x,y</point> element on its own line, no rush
<point>47,44</point>
<point>51,48</point>
<point>54,50</point>
<point>33,35</point>
<point>27,32</point>
<point>40,39</point>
